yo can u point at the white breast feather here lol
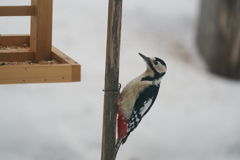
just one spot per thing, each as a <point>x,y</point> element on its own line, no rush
<point>130,93</point>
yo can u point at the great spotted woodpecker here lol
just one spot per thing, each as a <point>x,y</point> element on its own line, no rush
<point>137,97</point>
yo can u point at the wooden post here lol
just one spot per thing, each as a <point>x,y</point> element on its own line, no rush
<point>111,79</point>
<point>41,29</point>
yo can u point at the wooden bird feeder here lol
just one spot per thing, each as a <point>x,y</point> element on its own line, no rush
<point>40,48</point>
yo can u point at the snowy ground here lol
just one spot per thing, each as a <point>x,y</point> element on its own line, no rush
<point>195,117</point>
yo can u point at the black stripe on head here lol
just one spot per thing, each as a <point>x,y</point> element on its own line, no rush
<point>157,75</point>
<point>161,61</point>
<point>151,66</point>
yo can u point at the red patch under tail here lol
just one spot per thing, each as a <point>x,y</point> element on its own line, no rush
<point>122,125</point>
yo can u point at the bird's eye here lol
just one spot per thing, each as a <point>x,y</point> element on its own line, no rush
<point>156,63</point>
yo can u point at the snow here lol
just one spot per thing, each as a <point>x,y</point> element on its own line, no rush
<point>196,114</point>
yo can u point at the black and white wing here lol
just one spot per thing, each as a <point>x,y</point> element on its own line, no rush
<point>142,105</point>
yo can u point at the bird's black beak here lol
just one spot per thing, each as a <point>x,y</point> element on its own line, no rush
<point>146,59</point>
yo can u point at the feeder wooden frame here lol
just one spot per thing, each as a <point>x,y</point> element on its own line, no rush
<point>40,42</point>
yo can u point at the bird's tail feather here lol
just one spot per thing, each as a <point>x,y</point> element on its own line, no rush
<point>117,146</point>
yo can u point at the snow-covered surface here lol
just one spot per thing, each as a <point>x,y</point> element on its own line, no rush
<point>195,117</point>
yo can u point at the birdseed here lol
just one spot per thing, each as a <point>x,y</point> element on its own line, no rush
<point>27,62</point>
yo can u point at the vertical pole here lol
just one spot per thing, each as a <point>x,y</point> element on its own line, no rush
<point>41,29</point>
<point>111,79</point>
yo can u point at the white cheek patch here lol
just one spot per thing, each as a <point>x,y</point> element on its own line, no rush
<point>157,82</point>
<point>146,104</point>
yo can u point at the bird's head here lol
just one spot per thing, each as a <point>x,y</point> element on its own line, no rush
<point>155,65</point>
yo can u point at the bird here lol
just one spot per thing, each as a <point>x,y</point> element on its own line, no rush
<point>137,98</point>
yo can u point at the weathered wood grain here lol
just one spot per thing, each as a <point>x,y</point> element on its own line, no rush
<point>111,79</point>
